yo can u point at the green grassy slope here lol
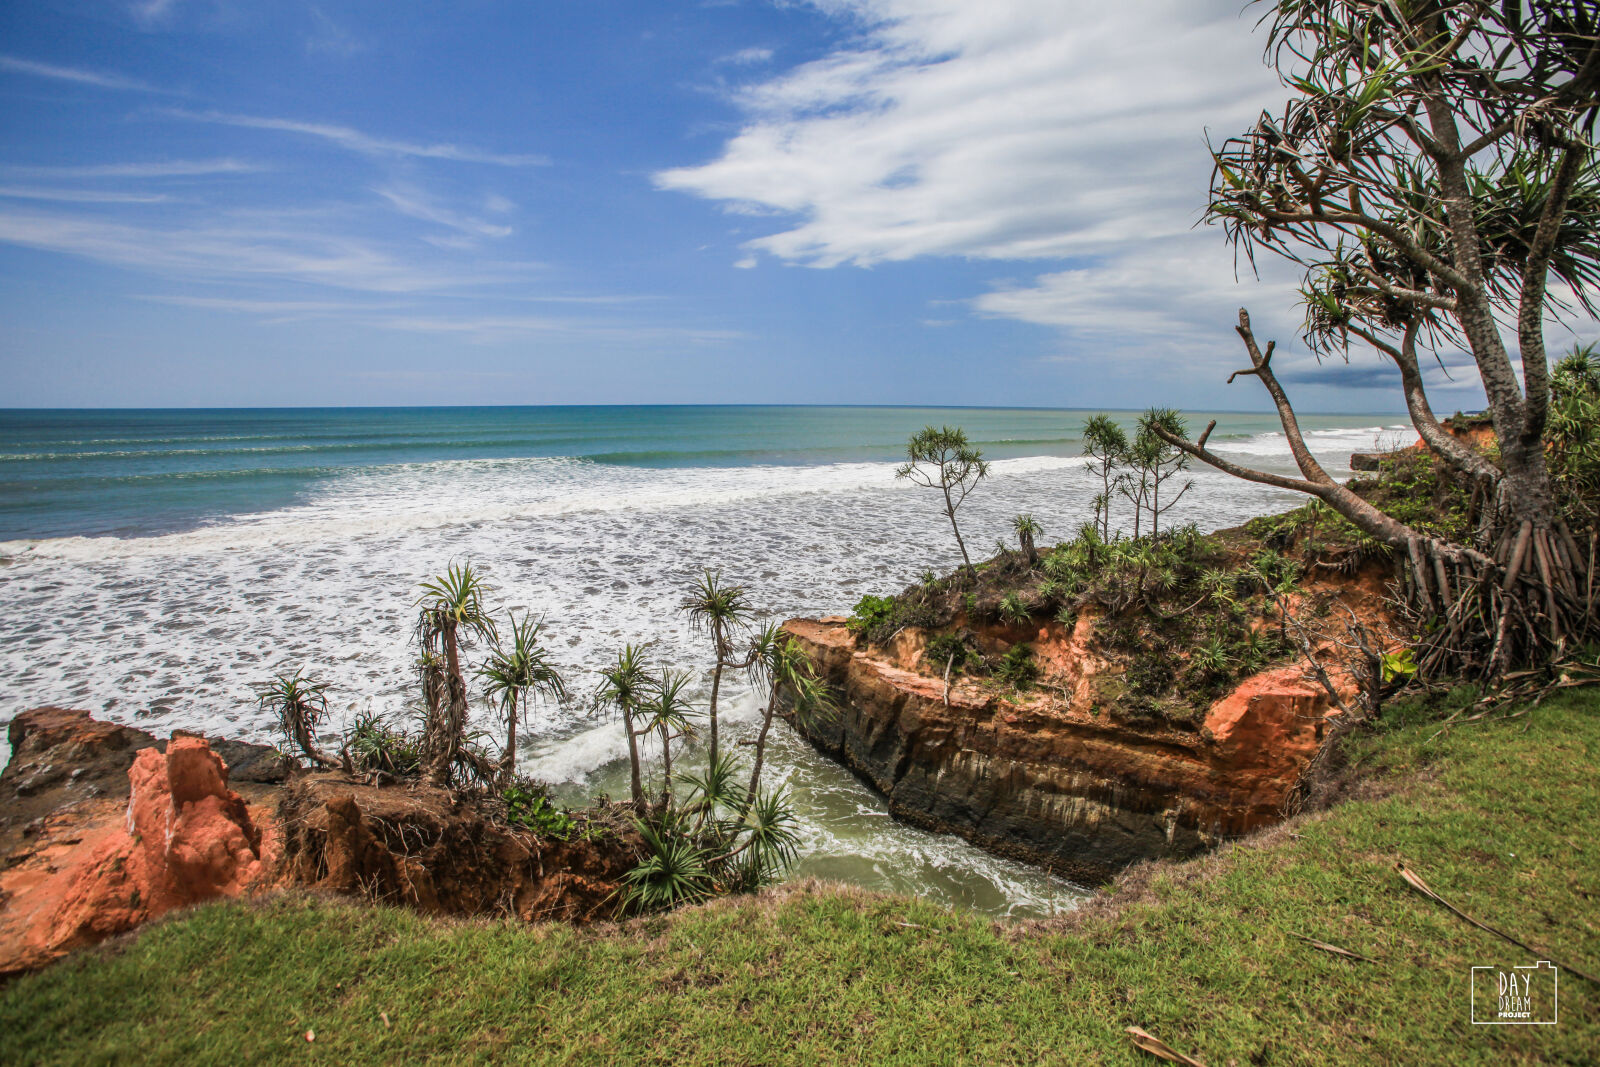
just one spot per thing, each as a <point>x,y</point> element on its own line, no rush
<point>1501,818</point>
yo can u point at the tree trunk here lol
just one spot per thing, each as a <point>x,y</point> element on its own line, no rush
<point>666,764</point>
<point>761,746</point>
<point>950,510</point>
<point>635,785</point>
<point>716,685</point>
<point>452,722</point>
<point>508,759</point>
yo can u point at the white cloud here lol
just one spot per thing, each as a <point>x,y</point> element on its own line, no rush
<point>80,196</point>
<point>746,57</point>
<point>1015,129</point>
<point>74,74</point>
<point>299,249</point>
<point>362,143</point>
<point>176,168</point>
<point>413,202</point>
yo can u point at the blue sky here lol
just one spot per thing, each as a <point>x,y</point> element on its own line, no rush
<point>210,202</point>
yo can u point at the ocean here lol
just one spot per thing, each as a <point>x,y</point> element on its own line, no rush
<point>155,563</point>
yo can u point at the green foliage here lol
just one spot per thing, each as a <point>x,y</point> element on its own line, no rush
<point>1573,435</point>
<point>675,871</point>
<point>952,649</point>
<point>530,807</point>
<point>872,614</point>
<point>298,706</point>
<point>1017,668</point>
<point>1013,611</point>
<point>376,745</point>
<point>1398,665</point>
<point>878,618</point>
<point>719,840</point>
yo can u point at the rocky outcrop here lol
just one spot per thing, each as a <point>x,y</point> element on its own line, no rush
<point>1050,779</point>
<point>103,827</point>
<point>118,830</point>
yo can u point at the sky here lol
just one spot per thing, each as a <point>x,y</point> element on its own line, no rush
<point>228,203</point>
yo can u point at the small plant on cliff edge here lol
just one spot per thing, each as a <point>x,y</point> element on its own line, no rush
<point>514,672</point>
<point>1017,668</point>
<point>942,459</point>
<point>871,616</point>
<point>375,745</point>
<point>1012,610</point>
<point>529,806</point>
<point>950,651</point>
<point>1027,529</point>
<point>298,705</point>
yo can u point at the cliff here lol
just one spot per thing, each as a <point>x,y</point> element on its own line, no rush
<point>103,828</point>
<point>1050,778</point>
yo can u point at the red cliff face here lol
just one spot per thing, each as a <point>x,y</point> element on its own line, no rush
<point>103,827</point>
<point>1048,780</point>
<point>101,865</point>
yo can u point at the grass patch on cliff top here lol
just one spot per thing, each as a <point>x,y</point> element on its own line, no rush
<point>1501,818</point>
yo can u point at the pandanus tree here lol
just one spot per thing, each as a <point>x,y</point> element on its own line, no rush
<point>666,712</point>
<point>942,459</point>
<point>515,670</point>
<point>1106,445</point>
<point>1434,174</point>
<point>450,616</point>
<point>1028,528</point>
<point>780,665</point>
<point>625,685</point>
<point>720,610</point>
<point>298,705</point>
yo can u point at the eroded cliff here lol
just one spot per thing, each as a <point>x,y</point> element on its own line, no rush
<point>1049,777</point>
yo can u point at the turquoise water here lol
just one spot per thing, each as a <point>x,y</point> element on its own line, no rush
<point>136,473</point>
<point>154,564</point>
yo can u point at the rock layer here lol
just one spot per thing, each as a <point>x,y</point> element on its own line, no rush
<point>1081,794</point>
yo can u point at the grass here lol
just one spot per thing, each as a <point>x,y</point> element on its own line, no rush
<point>1502,818</point>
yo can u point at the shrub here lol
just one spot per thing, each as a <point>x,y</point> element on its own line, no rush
<point>1017,667</point>
<point>529,806</point>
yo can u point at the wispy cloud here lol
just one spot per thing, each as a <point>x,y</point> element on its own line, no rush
<point>413,202</point>
<point>300,249</point>
<point>80,196</point>
<point>329,38</point>
<point>98,79</point>
<point>152,10</point>
<point>172,168</point>
<point>746,57</point>
<point>355,141</point>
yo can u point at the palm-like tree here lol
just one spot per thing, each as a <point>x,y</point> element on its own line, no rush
<point>514,671</point>
<point>779,663</point>
<point>626,686</point>
<point>451,614</point>
<point>666,713</point>
<point>720,610</point>
<point>1027,529</point>
<point>299,705</point>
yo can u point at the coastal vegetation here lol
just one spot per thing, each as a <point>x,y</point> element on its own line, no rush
<point>943,459</point>
<point>1434,176</point>
<point>1226,958</point>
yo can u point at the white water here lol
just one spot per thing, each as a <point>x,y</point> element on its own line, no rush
<point>170,631</point>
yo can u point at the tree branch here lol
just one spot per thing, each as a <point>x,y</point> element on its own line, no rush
<point>1530,313</point>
